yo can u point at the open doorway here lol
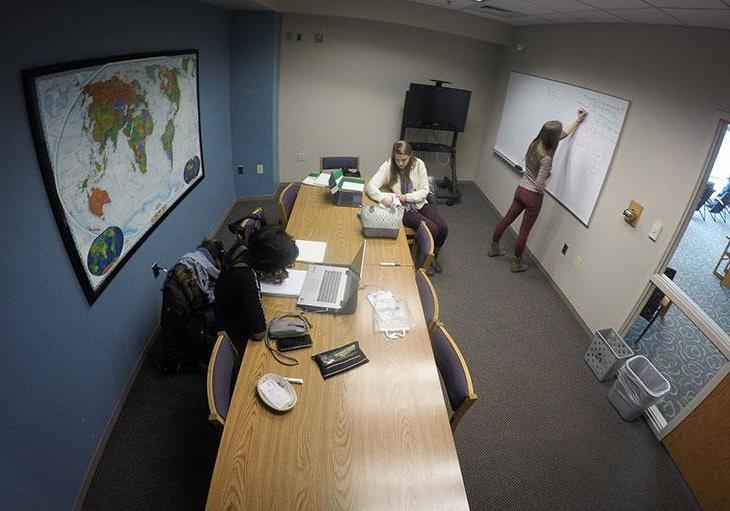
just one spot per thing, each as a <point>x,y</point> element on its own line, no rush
<point>684,325</point>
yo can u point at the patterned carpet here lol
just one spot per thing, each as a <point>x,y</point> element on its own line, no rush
<point>674,344</point>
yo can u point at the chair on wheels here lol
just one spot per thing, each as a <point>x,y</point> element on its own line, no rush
<point>657,305</point>
<point>429,298</point>
<point>719,205</point>
<point>454,371</point>
<point>702,203</point>
<point>224,362</point>
<point>350,165</point>
<point>424,247</point>
<point>286,202</point>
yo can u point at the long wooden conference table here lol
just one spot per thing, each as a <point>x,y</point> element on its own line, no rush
<point>376,437</point>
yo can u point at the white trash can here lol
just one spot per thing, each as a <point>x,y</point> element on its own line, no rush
<point>638,386</point>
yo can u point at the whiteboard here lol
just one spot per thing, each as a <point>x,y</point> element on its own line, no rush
<point>581,163</point>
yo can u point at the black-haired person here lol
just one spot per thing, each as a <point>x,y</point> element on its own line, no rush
<point>530,190</point>
<point>238,294</point>
<point>405,176</point>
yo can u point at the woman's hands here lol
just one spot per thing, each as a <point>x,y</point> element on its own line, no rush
<point>389,201</point>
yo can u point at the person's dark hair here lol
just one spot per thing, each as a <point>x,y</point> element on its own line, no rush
<point>270,249</point>
<point>545,143</point>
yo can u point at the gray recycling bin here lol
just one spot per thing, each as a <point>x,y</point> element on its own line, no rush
<point>638,386</point>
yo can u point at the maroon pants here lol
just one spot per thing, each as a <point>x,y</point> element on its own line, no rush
<point>527,201</point>
<point>435,223</point>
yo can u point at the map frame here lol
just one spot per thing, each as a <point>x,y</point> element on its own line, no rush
<point>30,78</point>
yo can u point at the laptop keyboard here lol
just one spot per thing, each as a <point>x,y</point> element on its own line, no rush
<point>330,285</point>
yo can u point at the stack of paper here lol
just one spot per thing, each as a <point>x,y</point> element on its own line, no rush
<point>321,179</point>
<point>311,251</point>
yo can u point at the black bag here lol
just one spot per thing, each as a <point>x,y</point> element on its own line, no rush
<point>243,232</point>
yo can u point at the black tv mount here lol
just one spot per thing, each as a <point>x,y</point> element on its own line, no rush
<point>439,83</point>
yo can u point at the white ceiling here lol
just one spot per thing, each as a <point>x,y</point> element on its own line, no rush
<point>697,13</point>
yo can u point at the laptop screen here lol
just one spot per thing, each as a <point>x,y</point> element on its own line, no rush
<point>359,261</point>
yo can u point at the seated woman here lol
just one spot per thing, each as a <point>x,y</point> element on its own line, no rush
<point>405,176</point>
<point>237,293</point>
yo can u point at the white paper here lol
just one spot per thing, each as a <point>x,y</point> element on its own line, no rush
<point>311,251</point>
<point>291,286</point>
<point>323,180</point>
<point>355,187</point>
<point>278,397</point>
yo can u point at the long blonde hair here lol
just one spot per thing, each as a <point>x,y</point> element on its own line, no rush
<point>403,148</point>
<point>547,140</point>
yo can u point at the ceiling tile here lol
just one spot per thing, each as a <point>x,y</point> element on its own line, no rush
<point>439,3</point>
<point>560,5</point>
<point>689,4</point>
<point>527,21</point>
<point>646,16</point>
<point>560,17</point>
<point>517,6</point>
<point>596,16</point>
<point>616,4</point>
<point>703,17</point>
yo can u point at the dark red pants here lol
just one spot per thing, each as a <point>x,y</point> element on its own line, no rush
<point>527,201</point>
<point>436,224</point>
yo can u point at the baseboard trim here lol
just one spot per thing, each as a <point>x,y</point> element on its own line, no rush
<point>101,446</point>
<point>542,269</point>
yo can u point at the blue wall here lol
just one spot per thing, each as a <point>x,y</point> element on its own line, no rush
<point>254,101</point>
<point>65,363</point>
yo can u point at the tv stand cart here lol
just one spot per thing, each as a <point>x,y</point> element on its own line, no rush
<point>448,189</point>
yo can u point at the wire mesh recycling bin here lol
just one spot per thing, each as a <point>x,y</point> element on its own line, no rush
<point>607,353</point>
<point>638,386</point>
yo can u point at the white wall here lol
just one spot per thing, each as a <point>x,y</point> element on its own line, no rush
<point>676,79</point>
<point>345,96</point>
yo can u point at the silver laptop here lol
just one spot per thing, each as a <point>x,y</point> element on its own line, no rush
<point>332,288</point>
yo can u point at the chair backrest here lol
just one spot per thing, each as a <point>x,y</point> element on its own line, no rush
<point>221,373</point>
<point>707,192</point>
<point>454,371</point>
<point>340,162</point>
<point>655,300</point>
<point>429,298</point>
<point>286,201</point>
<point>425,245</point>
<point>246,226</point>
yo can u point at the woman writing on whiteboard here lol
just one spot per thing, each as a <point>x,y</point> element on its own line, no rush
<point>404,176</point>
<point>528,196</point>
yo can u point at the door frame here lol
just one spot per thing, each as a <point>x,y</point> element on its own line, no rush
<point>720,339</point>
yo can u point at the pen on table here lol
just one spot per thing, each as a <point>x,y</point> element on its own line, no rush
<point>294,380</point>
<point>389,263</point>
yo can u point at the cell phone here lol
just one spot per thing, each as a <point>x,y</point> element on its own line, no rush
<point>294,343</point>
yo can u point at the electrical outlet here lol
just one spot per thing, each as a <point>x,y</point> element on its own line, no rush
<point>577,261</point>
<point>240,169</point>
<point>299,36</point>
<point>564,250</point>
<point>259,168</point>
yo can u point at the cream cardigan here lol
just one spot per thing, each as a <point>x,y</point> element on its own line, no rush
<point>419,179</point>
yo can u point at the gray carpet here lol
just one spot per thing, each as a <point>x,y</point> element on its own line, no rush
<point>542,435</point>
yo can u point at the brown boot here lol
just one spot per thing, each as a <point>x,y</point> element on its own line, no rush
<point>494,250</point>
<point>517,265</point>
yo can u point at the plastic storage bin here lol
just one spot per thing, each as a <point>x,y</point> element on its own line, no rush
<point>638,386</point>
<point>607,353</point>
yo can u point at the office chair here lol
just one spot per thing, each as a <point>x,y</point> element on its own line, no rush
<point>454,371</point>
<point>286,202</point>
<point>429,298</point>
<point>702,203</point>
<point>424,247</point>
<point>657,305</point>
<point>349,164</point>
<point>718,207</point>
<point>224,362</point>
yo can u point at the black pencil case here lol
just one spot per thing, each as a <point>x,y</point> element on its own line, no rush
<point>338,360</point>
<point>294,343</point>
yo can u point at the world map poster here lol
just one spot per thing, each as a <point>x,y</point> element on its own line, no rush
<point>118,143</point>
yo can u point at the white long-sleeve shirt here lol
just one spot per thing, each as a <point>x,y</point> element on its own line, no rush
<point>419,180</point>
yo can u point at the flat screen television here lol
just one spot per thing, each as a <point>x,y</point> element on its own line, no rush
<point>429,106</point>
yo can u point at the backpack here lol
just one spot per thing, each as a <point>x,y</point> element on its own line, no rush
<point>245,226</point>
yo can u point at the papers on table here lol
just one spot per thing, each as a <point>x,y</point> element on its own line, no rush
<point>352,186</point>
<point>321,179</point>
<point>291,286</point>
<point>311,251</point>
